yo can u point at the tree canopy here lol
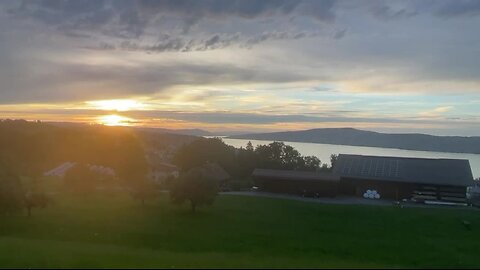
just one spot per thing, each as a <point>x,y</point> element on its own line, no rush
<point>202,151</point>
<point>81,179</point>
<point>196,187</point>
<point>241,162</point>
<point>278,155</point>
<point>11,191</point>
<point>31,148</point>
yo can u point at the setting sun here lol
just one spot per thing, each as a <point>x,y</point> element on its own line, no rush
<point>114,120</point>
<point>239,134</point>
<point>120,105</point>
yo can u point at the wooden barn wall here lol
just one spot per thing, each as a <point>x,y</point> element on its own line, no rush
<point>346,186</point>
<point>297,187</point>
<point>387,190</point>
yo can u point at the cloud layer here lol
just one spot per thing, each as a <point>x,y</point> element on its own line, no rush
<point>341,59</point>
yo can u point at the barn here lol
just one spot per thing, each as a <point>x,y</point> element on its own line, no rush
<point>302,183</point>
<point>420,179</point>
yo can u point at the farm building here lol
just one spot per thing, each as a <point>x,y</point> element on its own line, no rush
<point>297,182</point>
<point>421,179</point>
<point>161,171</point>
<point>62,170</point>
<point>395,178</point>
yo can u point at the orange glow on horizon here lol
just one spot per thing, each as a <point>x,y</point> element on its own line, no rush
<point>120,105</point>
<point>115,120</point>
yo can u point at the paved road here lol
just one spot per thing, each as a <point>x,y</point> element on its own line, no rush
<point>336,200</point>
<point>342,200</point>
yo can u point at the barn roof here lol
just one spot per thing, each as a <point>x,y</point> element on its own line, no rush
<point>163,166</point>
<point>294,175</point>
<point>452,172</point>
<point>62,169</point>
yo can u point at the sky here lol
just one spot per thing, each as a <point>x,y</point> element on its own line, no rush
<point>244,66</point>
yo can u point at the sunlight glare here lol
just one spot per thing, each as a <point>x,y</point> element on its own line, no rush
<point>114,120</point>
<point>120,105</point>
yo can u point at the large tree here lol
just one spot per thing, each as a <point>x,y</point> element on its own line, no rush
<point>11,191</point>
<point>333,161</point>
<point>81,179</point>
<point>31,148</point>
<point>143,190</point>
<point>35,200</point>
<point>195,187</point>
<point>278,155</point>
<point>240,163</point>
<point>35,194</point>
<point>202,151</point>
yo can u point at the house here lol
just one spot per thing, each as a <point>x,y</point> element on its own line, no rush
<point>161,171</point>
<point>420,179</point>
<point>61,170</point>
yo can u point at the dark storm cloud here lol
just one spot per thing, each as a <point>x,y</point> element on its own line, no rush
<point>256,119</point>
<point>320,10</point>
<point>406,46</point>
<point>219,8</point>
<point>194,10</point>
<point>215,41</point>
<point>385,12</point>
<point>78,14</point>
<point>75,82</point>
<point>129,19</point>
<point>240,118</point>
<point>459,8</point>
<point>340,34</point>
<point>276,35</point>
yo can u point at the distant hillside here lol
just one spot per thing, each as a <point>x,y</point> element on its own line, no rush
<point>355,137</point>
<point>190,132</point>
<point>31,148</point>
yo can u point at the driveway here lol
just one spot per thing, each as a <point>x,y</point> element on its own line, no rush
<point>341,200</point>
<point>337,200</point>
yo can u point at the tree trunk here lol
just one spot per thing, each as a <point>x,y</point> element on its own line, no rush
<point>194,206</point>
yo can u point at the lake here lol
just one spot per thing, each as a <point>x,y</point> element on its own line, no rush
<point>323,151</point>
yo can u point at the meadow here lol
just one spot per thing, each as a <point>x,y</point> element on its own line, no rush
<point>112,230</point>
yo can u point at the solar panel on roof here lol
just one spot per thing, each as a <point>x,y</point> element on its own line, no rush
<point>348,166</point>
<point>378,169</point>
<point>396,168</point>
<point>364,168</point>
<point>372,167</point>
<point>399,169</point>
<point>382,168</point>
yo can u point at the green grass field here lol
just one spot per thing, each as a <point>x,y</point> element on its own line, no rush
<point>115,231</point>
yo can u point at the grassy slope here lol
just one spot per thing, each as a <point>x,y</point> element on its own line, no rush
<point>114,231</point>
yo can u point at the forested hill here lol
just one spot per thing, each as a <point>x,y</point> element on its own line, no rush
<point>187,132</point>
<point>31,148</point>
<point>355,137</point>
